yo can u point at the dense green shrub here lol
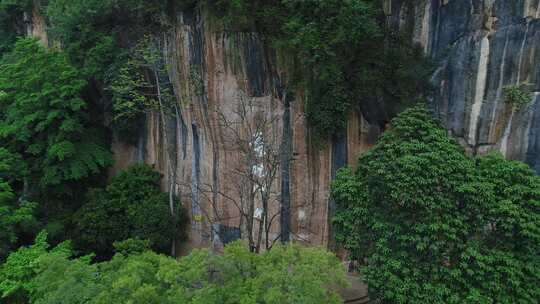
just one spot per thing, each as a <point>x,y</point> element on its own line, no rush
<point>16,217</point>
<point>82,28</point>
<point>94,32</point>
<point>285,274</point>
<point>47,124</point>
<point>131,206</point>
<point>44,118</point>
<point>20,268</point>
<point>324,38</point>
<point>430,224</point>
<point>104,39</point>
<point>518,96</point>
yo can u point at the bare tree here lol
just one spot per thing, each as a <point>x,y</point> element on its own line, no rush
<point>251,137</point>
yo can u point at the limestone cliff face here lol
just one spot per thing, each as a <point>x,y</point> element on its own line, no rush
<point>211,73</point>
<point>480,46</point>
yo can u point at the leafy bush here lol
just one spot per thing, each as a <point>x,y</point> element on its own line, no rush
<point>44,117</point>
<point>430,224</point>
<point>16,217</point>
<point>131,246</point>
<point>518,96</point>
<point>17,273</point>
<point>131,206</point>
<point>286,274</point>
<point>92,31</point>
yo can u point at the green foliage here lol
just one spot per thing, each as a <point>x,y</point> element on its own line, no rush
<point>12,21</point>
<point>235,14</point>
<point>137,88</point>
<point>506,254</point>
<point>93,32</point>
<point>283,275</point>
<point>17,273</point>
<point>138,279</point>
<point>432,225</point>
<point>20,5</point>
<point>89,30</point>
<point>76,24</point>
<point>343,56</point>
<point>132,206</point>
<point>131,246</point>
<point>15,217</point>
<point>59,279</point>
<point>286,274</point>
<point>14,221</point>
<point>129,101</point>
<point>43,116</point>
<point>324,37</point>
<point>518,96</point>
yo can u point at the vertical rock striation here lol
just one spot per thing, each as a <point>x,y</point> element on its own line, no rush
<point>210,70</point>
<point>480,47</point>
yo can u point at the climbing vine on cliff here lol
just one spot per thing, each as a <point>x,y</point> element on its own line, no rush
<point>344,57</point>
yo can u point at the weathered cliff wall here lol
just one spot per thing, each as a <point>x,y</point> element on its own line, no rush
<point>479,46</point>
<point>212,72</point>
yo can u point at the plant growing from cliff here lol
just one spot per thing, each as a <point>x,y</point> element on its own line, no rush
<point>519,96</point>
<point>324,38</point>
<point>342,55</point>
<point>89,30</point>
<point>137,88</point>
<point>432,225</point>
<point>131,206</point>
<point>142,85</point>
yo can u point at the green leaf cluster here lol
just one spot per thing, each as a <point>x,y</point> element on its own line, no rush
<point>139,85</point>
<point>430,224</point>
<point>285,274</point>
<point>90,31</point>
<point>21,267</point>
<point>131,206</point>
<point>44,118</point>
<point>518,96</point>
<point>16,217</point>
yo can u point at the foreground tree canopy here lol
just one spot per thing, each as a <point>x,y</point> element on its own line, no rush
<point>430,224</point>
<point>286,274</point>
